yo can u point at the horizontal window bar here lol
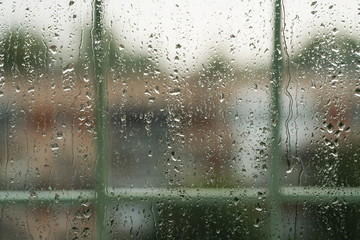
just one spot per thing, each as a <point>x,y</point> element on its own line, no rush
<point>320,194</point>
<point>287,194</point>
<point>66,196</point>
<point>188,194</point>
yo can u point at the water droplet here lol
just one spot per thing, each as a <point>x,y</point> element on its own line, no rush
<point>341,126</point>
<point>330,128</point>
<point>59,135</point>
<point>289,169</point>
<point>86,78</point>
<point>236,201</point>
<point>53,49</point>
<point>258,207</point>
<point>87,213</point>
<point>57,197</point>
<point>54,146</point>
<point>151,99</point>
<point>175,92</point>
<point>335,31</point>
<point>357,92</point>
<point>257,223</point>
<point>68,68</point>
<point>33,194</point>
<point>67,88</point>
<point>31,89</point>
<point>222,97</point>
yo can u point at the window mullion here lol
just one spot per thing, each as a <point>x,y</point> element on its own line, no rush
<point>274,200</point>
<point>100,84</point>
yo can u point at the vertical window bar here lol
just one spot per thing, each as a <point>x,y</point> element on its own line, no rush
<point>101,117</point>
<point>274,200</point>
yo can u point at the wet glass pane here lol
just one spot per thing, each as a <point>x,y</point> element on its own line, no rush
<point>42,221</point>
<point>320,117</point>
<point>321,98</point>
<point>46,98</point>
<point>337,219</point>
<point>187,119</point>
<point>47,128</point>
<point>189,111</point>
<point>181,86</point>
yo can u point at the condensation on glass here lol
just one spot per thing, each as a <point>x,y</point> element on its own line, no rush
<point>146,120</point>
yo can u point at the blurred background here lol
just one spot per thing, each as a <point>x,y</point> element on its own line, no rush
<point>189,98</point>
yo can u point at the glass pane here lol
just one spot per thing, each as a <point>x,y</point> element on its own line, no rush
<point>180,89</point>
<point>321,46</point>
<point>158,119</point>
<point>322,52</point>
<point>46,101</point>
<point>47,222</point>
<point>189,109</point>
<point>337,219</point>
<point>46,119</point>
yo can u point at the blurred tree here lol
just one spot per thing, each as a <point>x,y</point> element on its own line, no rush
<point>325,51</point>
<point>24,52</point>
<point>331,159</point>
<point>115,56</point>
<point>217,69</point>
<point>332,58</point>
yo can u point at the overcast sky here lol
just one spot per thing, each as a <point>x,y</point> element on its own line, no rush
<point>191,30</point>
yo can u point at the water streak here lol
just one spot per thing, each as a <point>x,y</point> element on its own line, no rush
<point>291,100</point>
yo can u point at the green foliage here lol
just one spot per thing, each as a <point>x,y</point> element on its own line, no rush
<point>116,56</point>
<point>210,221</point>
<point>329,51</point>
<point>121,60</point>
<point>23,52</point>
<point>215,70</point>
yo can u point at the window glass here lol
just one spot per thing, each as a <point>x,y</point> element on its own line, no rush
<point>179,119</point>
<point>188,102</point>
<point>46,119</point>
<point>321,78</point>
<point>321,52</point>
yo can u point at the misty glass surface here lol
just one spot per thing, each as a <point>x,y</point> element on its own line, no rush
<point>179,120</point>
